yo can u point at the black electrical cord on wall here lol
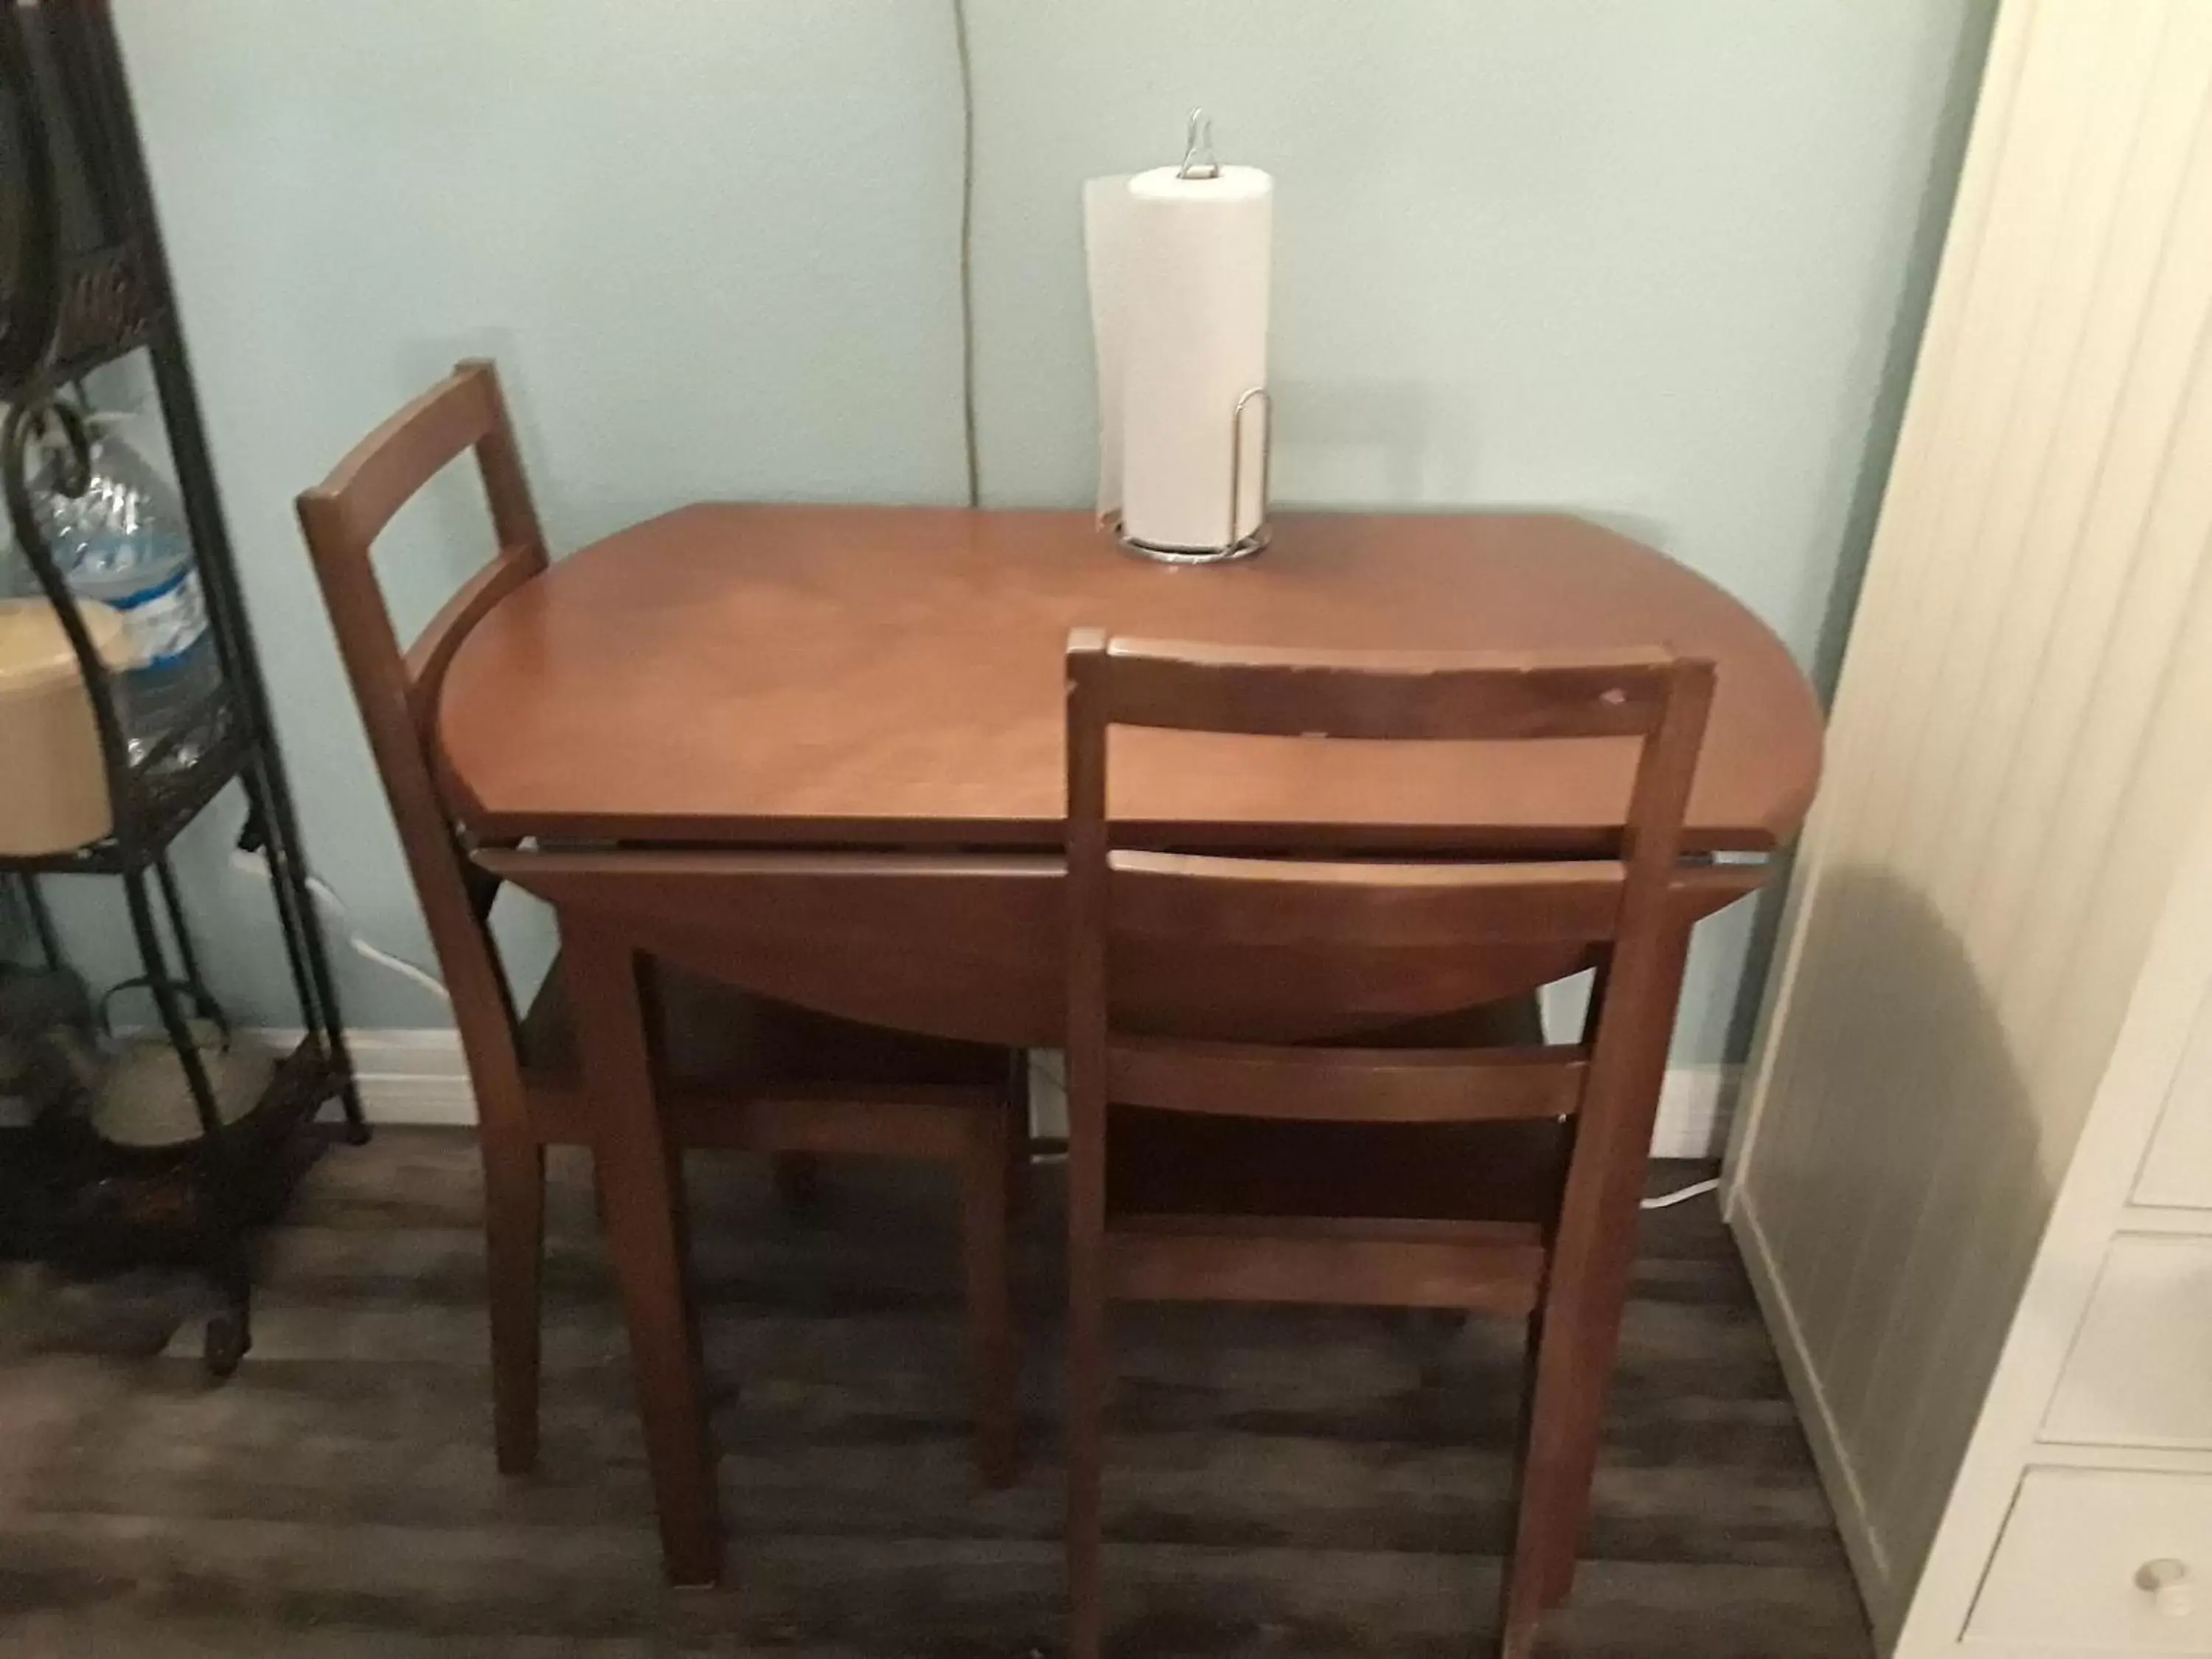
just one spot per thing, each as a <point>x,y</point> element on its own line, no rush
<point>966,253</point>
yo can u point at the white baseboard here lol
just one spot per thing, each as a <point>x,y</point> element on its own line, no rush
<point>1695,1105</point>
<point>412,1076</point>
<point>419,1077</point>
<point>1869,1558</point>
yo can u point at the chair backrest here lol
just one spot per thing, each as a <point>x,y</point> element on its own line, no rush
<point>398,692</point>
<point>1183,968</point>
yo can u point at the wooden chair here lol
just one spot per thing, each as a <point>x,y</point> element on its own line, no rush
<point>739,1071</point>
<point>1210,1161</point>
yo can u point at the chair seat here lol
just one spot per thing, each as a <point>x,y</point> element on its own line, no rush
<point>713,1033</point>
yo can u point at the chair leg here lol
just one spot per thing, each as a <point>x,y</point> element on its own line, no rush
<point>983,1203</point>
<point>1584,1302</point>
<point>1086,1402</point>
<point>514,1248</point>
<point>1592,1343</point>
<point>1545,1519</point>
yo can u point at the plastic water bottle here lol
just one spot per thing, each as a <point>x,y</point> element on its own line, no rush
<point>123,542</point>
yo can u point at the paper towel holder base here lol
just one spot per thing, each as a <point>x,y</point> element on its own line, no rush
<point>1237,547</point>
<point>1243,548</point>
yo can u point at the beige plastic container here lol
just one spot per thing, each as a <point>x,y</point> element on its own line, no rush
<point>53,788</point>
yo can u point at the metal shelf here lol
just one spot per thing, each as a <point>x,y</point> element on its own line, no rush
<point>163,797</point>
<point>108,311</point>
<point>92,284</point>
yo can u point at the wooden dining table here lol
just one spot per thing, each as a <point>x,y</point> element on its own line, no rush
<point>816,751</point>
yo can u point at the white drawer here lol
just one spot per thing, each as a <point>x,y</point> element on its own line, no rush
<point>2070,1569</point>
<point>2140,1371</point>
<point>2178,1170</point>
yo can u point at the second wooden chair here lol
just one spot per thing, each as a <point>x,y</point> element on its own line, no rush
<point>739,1071</point>
<point>1211,1159</point>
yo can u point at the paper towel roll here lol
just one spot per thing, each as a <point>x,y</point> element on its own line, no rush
<point>1179,270</point>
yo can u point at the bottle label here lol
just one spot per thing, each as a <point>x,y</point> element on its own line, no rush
<point>165,622</point>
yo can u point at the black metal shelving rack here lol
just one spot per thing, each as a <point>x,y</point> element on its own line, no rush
<point>84,283</point>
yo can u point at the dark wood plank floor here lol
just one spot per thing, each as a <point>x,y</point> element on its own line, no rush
<point>1282,1481</point>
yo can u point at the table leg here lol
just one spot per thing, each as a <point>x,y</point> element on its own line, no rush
<point>641,1186</point>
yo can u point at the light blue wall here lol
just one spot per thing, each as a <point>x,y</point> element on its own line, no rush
<point>1645,261</point>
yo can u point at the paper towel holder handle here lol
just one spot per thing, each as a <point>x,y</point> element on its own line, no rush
<point>1258,394</point>
<point>1198,161</point>
<point>1233,546</point>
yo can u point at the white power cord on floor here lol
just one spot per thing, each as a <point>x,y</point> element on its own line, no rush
<point>1682,1194</point>
<point>254,863</point>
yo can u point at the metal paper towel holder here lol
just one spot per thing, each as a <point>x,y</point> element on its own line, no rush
<point>1198,162</point>
<point>1234,546</point>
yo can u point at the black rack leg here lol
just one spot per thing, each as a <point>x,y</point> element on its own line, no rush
<point>303,932</point>
<point>174,1023</point>
<point>314,1014</point>
<point>188,958</point>
<point>230,1332</point>
<point>224,1227</point>
<point>42,920</point>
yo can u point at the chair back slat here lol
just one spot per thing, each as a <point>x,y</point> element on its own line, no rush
<point>1281,995</point>
<point>382,472</point>
<point>1255,691</point>
<point>1260,948</point>
<point>397,691</point>
<point>1337,1085</point>
<point>434,649</point>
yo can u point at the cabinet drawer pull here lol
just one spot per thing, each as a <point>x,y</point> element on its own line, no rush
<point>2167,1581</point>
